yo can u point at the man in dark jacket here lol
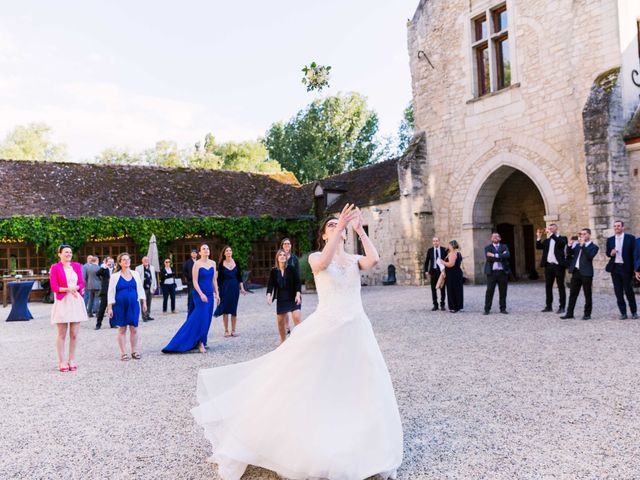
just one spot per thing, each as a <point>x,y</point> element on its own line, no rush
<point>581,255</point>
<point>497,270</point>
<point>554,263</point>
<point>432,269</point>
<point>104,274</point>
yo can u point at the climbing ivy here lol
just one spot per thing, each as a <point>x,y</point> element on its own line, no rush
<point>49,232</point>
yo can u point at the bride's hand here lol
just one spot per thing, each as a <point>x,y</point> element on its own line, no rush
<point>346,216</point>
<point>356,223</point>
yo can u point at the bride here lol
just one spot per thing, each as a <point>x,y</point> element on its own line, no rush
<point>320,406</point>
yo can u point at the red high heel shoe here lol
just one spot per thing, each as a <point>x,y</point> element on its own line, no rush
<point>63,369</point>
<point>73,368</point>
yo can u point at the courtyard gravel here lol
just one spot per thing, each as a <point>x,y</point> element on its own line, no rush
<point>524,395</point>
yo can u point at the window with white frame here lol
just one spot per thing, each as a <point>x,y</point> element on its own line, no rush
<point>490,48</point>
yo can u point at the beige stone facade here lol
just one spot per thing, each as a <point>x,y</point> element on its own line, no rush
<point>516,159</point>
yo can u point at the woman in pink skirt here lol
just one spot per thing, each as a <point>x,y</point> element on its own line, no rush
<point>68,309</point>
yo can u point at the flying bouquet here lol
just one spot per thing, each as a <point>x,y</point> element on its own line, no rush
<point>316,77</point>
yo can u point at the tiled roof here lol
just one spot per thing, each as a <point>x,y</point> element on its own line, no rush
<point>77,190</point>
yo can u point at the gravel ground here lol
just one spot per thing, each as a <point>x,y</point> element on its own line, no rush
<point>524,395</point>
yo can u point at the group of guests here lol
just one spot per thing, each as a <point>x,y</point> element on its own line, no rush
<point>559,254</point>
<point>125,295</point>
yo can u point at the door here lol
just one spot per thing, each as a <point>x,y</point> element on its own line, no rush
<point>507,233</point>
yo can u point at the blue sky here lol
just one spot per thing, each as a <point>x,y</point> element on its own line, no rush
<point>126,74</point>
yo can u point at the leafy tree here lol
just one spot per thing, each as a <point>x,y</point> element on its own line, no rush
<point>329,136</point>
<point>32,142</point>
<point>117,156</point>
<point>246,157</point>
<point>407,128</point>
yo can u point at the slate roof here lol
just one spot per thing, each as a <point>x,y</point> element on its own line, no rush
<point>79,190</point>
<point>372,185</point>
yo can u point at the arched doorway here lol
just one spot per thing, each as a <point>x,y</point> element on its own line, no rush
<point>511,203</point>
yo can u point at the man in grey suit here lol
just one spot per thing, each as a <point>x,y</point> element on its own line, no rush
<point>93,285</point>
<point>580,255</point>
<point>497,270</point>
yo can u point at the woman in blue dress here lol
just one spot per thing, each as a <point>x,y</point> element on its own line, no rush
<point>123,304</point>
<point>230,287</point>
<point>195,330</point>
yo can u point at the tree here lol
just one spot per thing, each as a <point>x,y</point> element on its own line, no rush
<point>246,157</point>
<point>407,128</point>
<point>330,136</point>
<point>32,142</point>
<point>117,156</point>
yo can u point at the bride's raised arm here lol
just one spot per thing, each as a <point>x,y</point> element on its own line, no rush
<point>371,256</point>
<point>333,230</point>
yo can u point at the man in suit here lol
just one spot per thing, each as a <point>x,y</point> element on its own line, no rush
<point>580,255</point>
<point>104,274</point>
<point>554,264</point>
<point>85,277</point>
<point>432,269</point>
<point>187,270</point>
<point>497,271</point>
<point>620,250</point>
<point>147,273</point>
<point>92,284</point>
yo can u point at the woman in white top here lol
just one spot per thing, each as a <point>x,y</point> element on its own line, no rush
<point>123,298</point>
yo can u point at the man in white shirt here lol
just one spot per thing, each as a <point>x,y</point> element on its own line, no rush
<point>432,268</point>
<point>554,263</point>
<point>147,274</point>
<point>581,254</point>
<point>621,251</point>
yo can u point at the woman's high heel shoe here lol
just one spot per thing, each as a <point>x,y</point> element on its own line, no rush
<point>73,367</point>
<point>63,368</point>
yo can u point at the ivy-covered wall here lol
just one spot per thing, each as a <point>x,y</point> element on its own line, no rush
<point>49,232</point>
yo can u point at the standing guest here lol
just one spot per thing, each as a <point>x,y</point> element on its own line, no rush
<point>580,255</point>
<point>454,278</point>
<point>284,286</point>
<point>432,268</point>
<point>497,271</point>
<point>620,250</point>
<point>104,274</point>
<point>125,295</point>
<point>93,285</point>
<point>554,264</point>
<point>292,260</point>
<point>187,270</point>
<point>147,273</point>
<point>230,286</point>
<point>85,279</point>
<point>195,330</point>
<point>65,278</point>
<point>168,284</point>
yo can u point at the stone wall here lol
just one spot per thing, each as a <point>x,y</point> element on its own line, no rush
<point>558,49</point>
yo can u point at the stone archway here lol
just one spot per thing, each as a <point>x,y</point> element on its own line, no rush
<point>515,198</point>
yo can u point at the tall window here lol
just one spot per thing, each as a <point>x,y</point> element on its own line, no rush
<point>490,45</point>
<point>359,246</point>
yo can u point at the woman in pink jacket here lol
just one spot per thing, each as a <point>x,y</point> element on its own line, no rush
<point>68,309</point>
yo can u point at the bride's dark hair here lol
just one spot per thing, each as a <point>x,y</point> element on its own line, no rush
<point>323,226</point>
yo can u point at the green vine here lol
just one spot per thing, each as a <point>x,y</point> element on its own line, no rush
<point>50,232</point>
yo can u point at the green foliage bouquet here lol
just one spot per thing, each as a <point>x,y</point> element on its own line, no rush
<point>316,77</point>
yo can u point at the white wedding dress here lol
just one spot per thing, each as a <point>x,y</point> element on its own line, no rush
<point>320,406</point>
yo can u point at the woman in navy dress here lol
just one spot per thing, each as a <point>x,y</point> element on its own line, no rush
<point>195,330</point>
<point>284,287</point>
<point>454,278</point>
<point>123,304</point>
<point>230,287</point>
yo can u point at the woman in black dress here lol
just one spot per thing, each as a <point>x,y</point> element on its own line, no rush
<point>454,277</point>
<point>295,263</point>
<point>284,287</point>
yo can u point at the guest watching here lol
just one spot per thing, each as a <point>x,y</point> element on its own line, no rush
<point>284,287</point>
<point>230,286</point>
<point>581,254</point>
<point>620,250</point>
<point>168,285</point>
<point>125,294</point>
<point>454,278</point>
<point>68,309</point>
<point>147,273</point>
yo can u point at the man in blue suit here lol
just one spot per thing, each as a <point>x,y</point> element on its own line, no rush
<point>497,270</point>
<point>620,250</point>
<point>580,255</point>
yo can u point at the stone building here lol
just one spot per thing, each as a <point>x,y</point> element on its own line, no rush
<point>524,106</point>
